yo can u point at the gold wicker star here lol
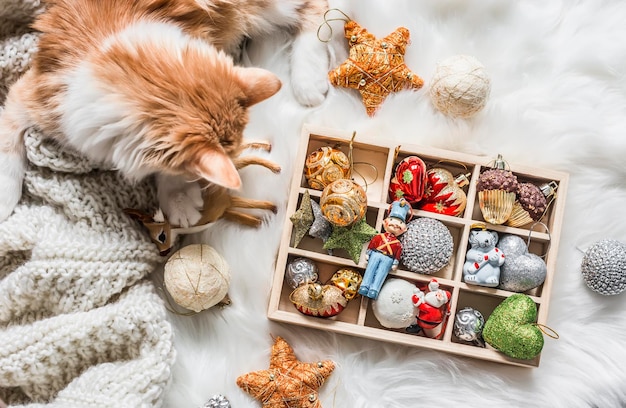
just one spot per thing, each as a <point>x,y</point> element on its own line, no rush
<point>288,383</point>
<point>375,67</point>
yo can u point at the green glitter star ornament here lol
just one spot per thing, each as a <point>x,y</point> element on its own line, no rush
<point>511,328</point>
<point>351,238</point>
<point>302,219</point>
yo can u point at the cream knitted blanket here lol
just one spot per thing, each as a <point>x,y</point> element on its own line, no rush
<point>80,323</point>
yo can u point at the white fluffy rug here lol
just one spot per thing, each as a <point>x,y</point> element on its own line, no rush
<point>558,100</point>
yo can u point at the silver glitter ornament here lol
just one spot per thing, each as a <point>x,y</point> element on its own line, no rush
<point>217,401</point>
<point>426,246</point>
<point>522,273</point>
<point>301,271</point>
<point>522,270</point>
<point>468,326</point>
<point>512,245</point>
<point>604,267</point>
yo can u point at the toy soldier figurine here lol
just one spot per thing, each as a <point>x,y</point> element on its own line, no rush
<point>384,249</point>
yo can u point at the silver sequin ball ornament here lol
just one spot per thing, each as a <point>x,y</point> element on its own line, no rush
<point>426,246</point>
<point>604,267</point>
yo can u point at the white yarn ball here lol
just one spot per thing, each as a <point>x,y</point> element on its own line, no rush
<point>197,277</point>
<point>460,86</point>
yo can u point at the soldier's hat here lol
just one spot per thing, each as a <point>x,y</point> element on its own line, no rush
<point>400,209</point>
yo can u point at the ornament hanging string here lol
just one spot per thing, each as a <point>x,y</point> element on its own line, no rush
<point>465,175</point>
<point>366,183</point>
<point>530,231</point>
<point>548,331</point>
<point>327,23</point>
<point>453,162</point>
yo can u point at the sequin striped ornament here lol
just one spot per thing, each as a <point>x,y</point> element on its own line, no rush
<point>444,193</point>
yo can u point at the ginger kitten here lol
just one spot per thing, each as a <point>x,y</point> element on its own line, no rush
<point>149,87</point>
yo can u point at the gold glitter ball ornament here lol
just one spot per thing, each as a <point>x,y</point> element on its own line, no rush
<point>324,166</point>
<point>197,277</point>
<point>343,202</point>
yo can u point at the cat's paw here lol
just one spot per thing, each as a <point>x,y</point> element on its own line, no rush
<point>182,210</point>
<point>181,201</point>
<point>309,70</point>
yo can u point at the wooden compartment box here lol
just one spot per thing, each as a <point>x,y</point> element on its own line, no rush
<point>358,319</point>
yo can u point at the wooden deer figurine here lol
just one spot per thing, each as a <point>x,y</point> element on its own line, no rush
<point>218,203</point>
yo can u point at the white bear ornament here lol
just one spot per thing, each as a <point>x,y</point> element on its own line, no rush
<point>483,259</point>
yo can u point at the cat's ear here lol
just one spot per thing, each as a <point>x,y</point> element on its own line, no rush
<point>257,84</point>
<point>218,168</point>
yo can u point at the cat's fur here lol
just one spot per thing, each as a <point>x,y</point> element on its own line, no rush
<point>149,87</point>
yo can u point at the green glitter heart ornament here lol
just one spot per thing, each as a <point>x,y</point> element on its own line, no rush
<point>351,238</point>
<point>511,328</point>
